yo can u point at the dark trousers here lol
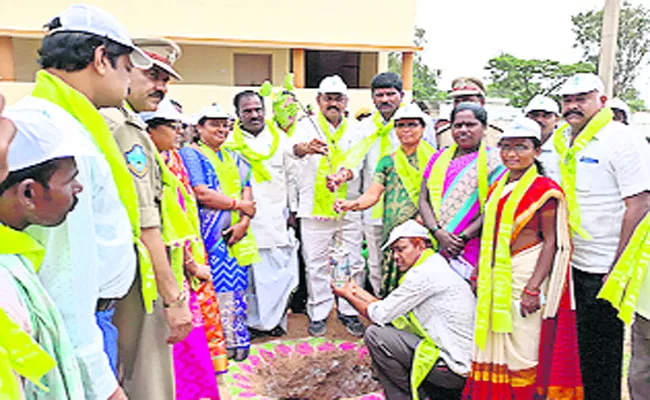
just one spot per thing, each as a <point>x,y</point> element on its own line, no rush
<point>392,353</point>
<point>600,339</point>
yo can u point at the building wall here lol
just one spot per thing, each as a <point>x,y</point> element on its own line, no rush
<point>25,58</point>
<point>369,22</point>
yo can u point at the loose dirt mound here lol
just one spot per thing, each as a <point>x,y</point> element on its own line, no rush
<point>334,374</point>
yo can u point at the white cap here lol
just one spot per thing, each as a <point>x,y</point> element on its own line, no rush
<point>165,110</point>
<point>582,83</point>
<point>409,229</point>
<point>411,110</point>
<point>94,20</point>
<point>619,104</point>
<point>522,127</point>
<point>542,103</point>
<point>212,111</point>
<point>39,138</point>
<point>332,84</point>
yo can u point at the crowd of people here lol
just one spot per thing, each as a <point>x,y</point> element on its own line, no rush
<point>142,249</point>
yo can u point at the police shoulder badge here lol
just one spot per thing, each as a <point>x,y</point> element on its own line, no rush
<point>136,160</point>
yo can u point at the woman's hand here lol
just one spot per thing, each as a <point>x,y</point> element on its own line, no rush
<point>529,304</point>
<point>238,232</point>
<point>341,205</point>
<point>247,207</point>
<point>451,244</point>
<point>334,181</point>
<point>344,291</point>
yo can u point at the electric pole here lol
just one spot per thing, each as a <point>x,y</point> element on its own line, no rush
<point>607,60</point>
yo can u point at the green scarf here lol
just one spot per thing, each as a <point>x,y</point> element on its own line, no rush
<point>17,349</point>
<point>569,162</point>
<point>177,226</point>
<point>54,90</point>
<point>439,172</point>
<point>410,176</point>
<point>255,159</point>
<point>245,251</point>
<point>355,156</point>
<point>494,294</point>
<point>623,285</point>
<point>427,352</point>
<point>323,198</point>
<point>21,354</point>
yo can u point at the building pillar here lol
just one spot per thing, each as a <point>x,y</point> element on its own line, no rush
<point>607,62</point>
<point>298,67</point>
<point>7,68</point>
<point>407,70</point>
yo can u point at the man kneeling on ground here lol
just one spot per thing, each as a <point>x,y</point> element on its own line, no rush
<point>421,335</point>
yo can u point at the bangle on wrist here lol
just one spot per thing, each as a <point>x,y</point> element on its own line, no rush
<point>473,278</point>
<point>435,229</point>
<point>463,237</point>
<point>532,292</point>
<point>179,302</point>
<point>233,205</point>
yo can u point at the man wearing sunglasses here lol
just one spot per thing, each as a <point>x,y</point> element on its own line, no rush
<point>145,356</point>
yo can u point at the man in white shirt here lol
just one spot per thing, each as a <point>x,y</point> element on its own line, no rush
<point>267,150</point>
<point>546,112</point>
<point>87,58</point>
<point>430,296</point>
<point>606,178</point>
<point>319,142</point>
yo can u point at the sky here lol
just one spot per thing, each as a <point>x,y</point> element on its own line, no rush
<point>463,35</point>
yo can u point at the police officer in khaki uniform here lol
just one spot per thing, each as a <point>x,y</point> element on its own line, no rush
<point>145,351</point>
<point>470,90</point>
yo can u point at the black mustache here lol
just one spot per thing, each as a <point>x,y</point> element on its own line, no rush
<point>333,108</point>
<point>576,112</point>
<point>157,94</point>
<point>385,104</point>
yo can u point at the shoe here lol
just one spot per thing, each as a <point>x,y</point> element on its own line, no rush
<point>317,328</point>
<point>276,332</point>
<point>256,333</point>
<point>353,325</point>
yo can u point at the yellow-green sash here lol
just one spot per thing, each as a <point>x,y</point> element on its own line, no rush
<point>427,352</point>
<point>624,283</point>
<point>20,353</point>
<point>439,172</point>
<point>54,90</point>
<point>358,152</point>
<point>255,159</point>
<point>19,243</point>
<point>323,198</point>
<point>410,176</point>
<point>245,251</point>
<point>569,162</point>
<point>494,294</point>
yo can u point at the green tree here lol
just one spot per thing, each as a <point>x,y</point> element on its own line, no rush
<point>519,80</point>
<point>425,78</point>
<point>633,45</point>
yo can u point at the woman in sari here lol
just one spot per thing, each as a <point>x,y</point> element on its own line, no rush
<point>398,177</point>
<point>525,341</point>
<point>220,181</point>
<point>202,354</point>
<point>455,187</point>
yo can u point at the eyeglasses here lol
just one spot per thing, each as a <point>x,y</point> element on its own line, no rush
<point>174,125</point>
<point>407,124</point>
<point>518,148</point>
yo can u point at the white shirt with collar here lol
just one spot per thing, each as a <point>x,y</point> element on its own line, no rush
<point>444,304</point>
<point>308,165</point>
<point>88,257</point>
<point>270,223</point>
<point>550,159</point>
<point>614,165</point>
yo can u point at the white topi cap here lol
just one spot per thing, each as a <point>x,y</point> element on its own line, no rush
<point>332,84</point>
<point>522,128</point>
<point>542,103</point>
<point>409,229</point>
<point>213,111</point>
<point>165,110</point>
<point>582,83</point>
<point>39,138</point>
<point>94,20</point>
<point>619,104</point>
<point>411,110</point>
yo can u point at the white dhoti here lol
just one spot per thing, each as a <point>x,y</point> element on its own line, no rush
<point>317,237</point>
<point>372,234</point>
<point>271,283</point>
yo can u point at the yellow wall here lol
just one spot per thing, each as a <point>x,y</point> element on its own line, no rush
<point>201,64</point>
<point>371,22</point>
